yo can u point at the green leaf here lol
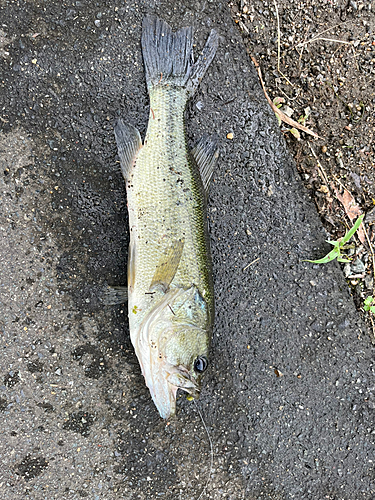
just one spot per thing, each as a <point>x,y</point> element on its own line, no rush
<point>367,304</point>
<point>338,245</point>
<point>350,233</point>
<point>278,101</point>
<point>296,134</point>
<point>341,259</point>
<point>333,254</point>
<point>368,300</point>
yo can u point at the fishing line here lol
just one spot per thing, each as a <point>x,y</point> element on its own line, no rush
<point>211,450</point>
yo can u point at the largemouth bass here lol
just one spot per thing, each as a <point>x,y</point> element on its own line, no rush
<point>170,290</point>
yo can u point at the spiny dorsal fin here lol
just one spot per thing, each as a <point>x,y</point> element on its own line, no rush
<point>129,142</point>
<point>168,265</point>
<point>206,153</point>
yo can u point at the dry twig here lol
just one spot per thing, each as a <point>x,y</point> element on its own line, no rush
<point>318,36</point>
<point>283,117</point>
<point>251,263</point>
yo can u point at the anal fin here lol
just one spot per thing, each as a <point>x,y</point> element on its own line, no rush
<point>129,142</point>
<point>206,153</point>
<point>168,265</point>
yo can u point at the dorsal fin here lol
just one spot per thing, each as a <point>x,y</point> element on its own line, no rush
<point>129,142</point>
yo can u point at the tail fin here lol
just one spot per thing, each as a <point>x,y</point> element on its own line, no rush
<point>168,56</point>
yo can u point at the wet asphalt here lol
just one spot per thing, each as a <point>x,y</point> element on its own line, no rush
<point>290,395</point>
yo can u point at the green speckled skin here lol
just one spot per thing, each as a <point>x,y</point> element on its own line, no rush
<point>166,199</point>
<point>166,203</point>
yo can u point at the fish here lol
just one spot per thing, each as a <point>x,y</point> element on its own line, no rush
<point>170,287</point>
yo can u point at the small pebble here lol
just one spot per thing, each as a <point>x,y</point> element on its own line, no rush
<point>369,282</point>
<point>323,189</point>
<point>287,111</point>
<point>347,271</point>
<point>357,266</point>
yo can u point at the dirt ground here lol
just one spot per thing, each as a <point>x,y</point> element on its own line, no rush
<point>317,62</point>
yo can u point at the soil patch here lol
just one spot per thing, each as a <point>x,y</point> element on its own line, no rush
<point>317,61</point>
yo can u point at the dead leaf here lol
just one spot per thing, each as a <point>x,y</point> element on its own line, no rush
<point>352,209</point>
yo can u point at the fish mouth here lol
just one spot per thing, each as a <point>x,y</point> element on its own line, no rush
<point>164,386</point>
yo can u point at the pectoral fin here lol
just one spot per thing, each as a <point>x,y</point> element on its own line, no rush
<point>114,295</point>
<point>131,264</point>
<point>128,144</point>
<point>168,265</point>
<point>206,153</point>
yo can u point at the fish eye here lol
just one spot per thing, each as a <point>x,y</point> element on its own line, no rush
<point>200,364</point>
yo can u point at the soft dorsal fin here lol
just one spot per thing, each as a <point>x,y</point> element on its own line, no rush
<point>206,153</point>
<point>129,142</point>
<point>168,265</point>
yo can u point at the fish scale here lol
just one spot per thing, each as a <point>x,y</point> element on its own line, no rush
<point>166,190</point>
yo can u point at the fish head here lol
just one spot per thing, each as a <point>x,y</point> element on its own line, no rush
<point>175,352</point>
